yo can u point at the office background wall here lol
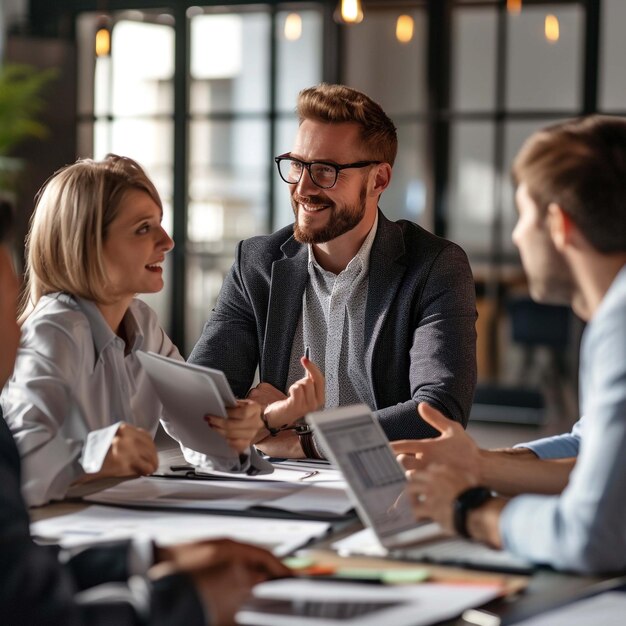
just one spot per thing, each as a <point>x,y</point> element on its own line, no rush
<point>202,93</point>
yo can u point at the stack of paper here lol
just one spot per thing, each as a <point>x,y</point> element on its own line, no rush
<point>98,524</point>
<point>300,498</point>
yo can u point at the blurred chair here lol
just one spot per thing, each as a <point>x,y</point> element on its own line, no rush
<point>538,330</point>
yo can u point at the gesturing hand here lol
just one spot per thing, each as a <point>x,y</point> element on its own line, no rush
<point>453,447</point>
<point>432,493</point>
<point>305,395</point>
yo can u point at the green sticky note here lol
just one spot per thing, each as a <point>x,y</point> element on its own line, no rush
<point>359,573</point>
<point>298,562</point>
<point>405,576</point>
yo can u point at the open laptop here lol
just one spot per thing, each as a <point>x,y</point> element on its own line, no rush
<point>354,441</point>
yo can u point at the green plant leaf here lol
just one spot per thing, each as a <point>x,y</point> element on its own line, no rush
<point>22,99</point>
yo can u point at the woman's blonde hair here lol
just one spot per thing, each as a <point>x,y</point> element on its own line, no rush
<point>69,225</point>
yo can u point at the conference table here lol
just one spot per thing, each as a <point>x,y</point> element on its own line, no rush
<point>526,596</point>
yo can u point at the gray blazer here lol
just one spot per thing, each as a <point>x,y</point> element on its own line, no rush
<point>420,337</point>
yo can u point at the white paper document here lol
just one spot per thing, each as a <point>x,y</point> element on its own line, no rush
<point>300,497</point>
<point>98,524</point>
<point>606,609</point>
<point>188,393</point>
<point>293,602</point>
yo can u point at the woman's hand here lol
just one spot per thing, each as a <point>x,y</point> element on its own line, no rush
<point>242,425</point>
<point>132,453</point>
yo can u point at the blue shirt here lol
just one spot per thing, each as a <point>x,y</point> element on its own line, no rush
<point>558,446</point>
<point>584,529</point>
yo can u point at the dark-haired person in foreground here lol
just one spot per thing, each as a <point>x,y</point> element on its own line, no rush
<point>571,233</point>
<point>125,583</point>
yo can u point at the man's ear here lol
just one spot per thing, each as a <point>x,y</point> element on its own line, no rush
<point>560,225</point>
<point>382,178</point>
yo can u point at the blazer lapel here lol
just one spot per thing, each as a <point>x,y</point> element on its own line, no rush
<point>287,283</point>
<point>385,274</point>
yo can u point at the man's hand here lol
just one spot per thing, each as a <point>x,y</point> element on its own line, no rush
<point>222,571</point>
<point>453,447</point>
<point>305,395</point>
<point>132,453</point>
<point>242,425</point>
<point>432,493</point>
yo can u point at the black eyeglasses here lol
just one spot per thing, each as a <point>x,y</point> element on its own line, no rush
<point>322,173</point>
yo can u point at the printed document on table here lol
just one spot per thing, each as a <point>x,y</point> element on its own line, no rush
<point>299,498</point>
<point>298,602</point>
<point>97,524</point>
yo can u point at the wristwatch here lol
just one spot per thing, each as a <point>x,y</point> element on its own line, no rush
<point>466,501</point>
<point>305,435</point>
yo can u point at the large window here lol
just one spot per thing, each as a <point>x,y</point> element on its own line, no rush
<point>243,67</point>
<point>126,104</point>
<point>203,95</point>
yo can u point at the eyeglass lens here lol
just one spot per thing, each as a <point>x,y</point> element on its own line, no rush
<point>322,174</point>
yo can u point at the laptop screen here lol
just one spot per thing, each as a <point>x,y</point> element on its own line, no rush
<point>355,442</point>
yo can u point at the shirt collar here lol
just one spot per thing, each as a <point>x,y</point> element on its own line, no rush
<point>361,260</point>
<point>102,333</point>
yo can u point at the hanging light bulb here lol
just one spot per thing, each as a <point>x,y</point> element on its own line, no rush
<point>293,27</point>
<point>551,28</point>
<point>404,28</point>
<point>349,12</point>
<point>103,38</point>
<point>514,7</point>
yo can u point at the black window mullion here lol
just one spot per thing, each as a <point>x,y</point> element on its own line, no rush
<point>180,183</point>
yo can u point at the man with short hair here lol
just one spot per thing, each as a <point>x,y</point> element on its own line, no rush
<point>571,233</point>
<point>122,583</point>
<point>386,308</point>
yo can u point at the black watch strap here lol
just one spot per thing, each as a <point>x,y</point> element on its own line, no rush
<point>467,501</point>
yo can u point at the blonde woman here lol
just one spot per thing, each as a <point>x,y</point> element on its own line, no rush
<point>79,404</point>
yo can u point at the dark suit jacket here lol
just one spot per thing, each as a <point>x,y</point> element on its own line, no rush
<point>35,589</point>
<point>420,338</point>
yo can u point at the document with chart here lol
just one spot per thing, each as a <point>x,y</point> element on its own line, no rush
<point>358,446</point>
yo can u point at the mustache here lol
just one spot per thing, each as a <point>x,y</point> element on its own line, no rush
<point>311,199</point>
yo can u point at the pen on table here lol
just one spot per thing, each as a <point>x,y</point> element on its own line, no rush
<point>309,475</point>
<point>342,579</point>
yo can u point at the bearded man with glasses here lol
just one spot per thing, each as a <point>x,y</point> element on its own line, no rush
<point>385,309</point>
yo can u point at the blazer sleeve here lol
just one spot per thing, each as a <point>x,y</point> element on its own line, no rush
<point>442,370</point>
<point>229,340</point>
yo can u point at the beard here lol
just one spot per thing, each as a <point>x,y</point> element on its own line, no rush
<point>342,218</point>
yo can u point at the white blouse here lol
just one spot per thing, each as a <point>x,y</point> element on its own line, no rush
<point>72,386</point>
